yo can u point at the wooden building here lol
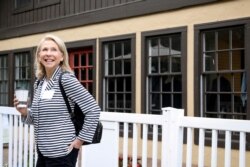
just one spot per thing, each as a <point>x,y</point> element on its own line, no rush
<point>138,56</point>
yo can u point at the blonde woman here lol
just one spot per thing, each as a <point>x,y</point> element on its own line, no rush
<point>56,140</point>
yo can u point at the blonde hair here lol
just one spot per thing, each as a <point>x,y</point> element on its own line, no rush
<point>40,70</point>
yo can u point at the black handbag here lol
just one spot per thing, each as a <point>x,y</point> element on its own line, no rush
<point>77,118</point>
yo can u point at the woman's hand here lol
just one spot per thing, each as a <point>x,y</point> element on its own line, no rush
<point>77,143</point>
<point>23,111</point>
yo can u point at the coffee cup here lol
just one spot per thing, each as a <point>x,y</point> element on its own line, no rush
<point>22,96</point>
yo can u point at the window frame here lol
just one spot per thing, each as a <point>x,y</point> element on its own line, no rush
<point>102,41</point>
<point>198,108</point>
<point>144,77</point>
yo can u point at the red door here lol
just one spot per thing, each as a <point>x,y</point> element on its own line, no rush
<point>81,61</point>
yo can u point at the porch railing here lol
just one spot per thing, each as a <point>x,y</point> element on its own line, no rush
<point>135,135</point>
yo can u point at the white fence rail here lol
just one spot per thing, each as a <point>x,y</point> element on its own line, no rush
<point>126,135</point>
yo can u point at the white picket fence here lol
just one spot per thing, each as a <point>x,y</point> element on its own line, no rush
<point>169,151</point>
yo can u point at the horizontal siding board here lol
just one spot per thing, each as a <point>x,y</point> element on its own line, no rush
<point>77,11</point>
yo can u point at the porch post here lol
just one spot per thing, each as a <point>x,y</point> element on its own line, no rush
<point>172,137</point>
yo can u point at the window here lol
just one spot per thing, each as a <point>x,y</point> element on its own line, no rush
<point>81,61</point>
<point>165,70</point>
<point>118,75</point>
<point>221,72</point>
<point>4,80</point>
<point>224,73</point>
<point>16,71</point>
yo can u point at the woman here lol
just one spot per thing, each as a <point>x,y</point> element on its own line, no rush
<point>56,141</point>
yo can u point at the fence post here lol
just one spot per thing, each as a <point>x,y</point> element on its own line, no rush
<point>172,137</point>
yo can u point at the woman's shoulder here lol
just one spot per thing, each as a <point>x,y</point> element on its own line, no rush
<point>67,77</point>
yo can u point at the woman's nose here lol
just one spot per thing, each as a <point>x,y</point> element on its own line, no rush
<point>48,53</point>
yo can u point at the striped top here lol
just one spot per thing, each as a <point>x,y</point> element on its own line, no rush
<point>54,130</point>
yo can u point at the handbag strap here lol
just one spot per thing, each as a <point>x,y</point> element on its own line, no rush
<point>64,96</point>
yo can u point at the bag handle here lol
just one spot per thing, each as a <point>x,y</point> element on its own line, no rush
<point>65,97</point>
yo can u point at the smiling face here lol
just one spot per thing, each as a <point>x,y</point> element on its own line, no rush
<point>50,56</point>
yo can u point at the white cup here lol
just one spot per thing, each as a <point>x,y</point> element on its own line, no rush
<point>22,96</point>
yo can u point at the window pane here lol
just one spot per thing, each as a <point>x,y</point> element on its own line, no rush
<point>154,65</point>
<point>211,82</point>
<point>225,103</point>
<point>76,71</point>
<point>164,46</point>
<point>83,60</point>
<point>166,100</point>
<point>176,45</point>
<point>153,47</point>
<point>210,62</point>
<point>225,83</point>
<point>90,74</point>
<point>155,101</point>
<point>128,101</point>
<point>223,39</point>
<point>111,85</point>
<point>177,101</point>
<point>83,74</point>
<point>164,64</point>
<point>166,84</point>
<point>76,60</point>
<point>128,84</point>
<point>240,103</point>
<point>176,64</point>
<point>155,84</point>
<point>238,60</point>
<point>238,37</point>
<point>118,67</point>
<point>209,40</point>
<point>223,61</point>
<point>110,51</point>
<point>119,85</point>
<point>120,101</point>
<point>211,102</point>
<point>127,49</point>
<point>109,64</point>
<point>118,50</point>
<point>127,66</point>
<point>111,100</point>
<point>177,84</point>
<point>90,59</point>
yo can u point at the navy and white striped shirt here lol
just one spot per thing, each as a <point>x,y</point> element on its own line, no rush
<point>54,130</point>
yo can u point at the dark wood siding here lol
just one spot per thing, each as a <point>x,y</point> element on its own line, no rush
<point>41,16</point>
